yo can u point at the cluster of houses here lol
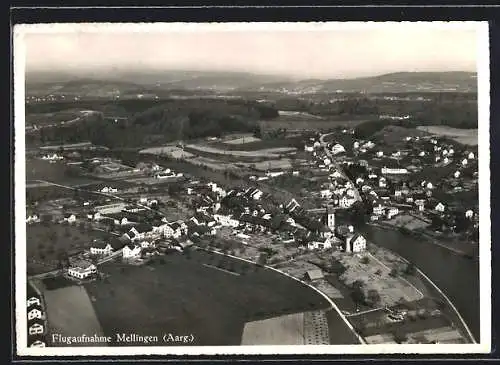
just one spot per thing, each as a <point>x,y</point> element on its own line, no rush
<point>36,319</point>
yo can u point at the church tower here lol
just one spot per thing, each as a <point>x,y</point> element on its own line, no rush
<point>330,218</point>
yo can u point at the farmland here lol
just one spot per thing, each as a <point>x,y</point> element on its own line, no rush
<point>463,136</point>
<point>62,304</point>
<point>46,241</point>
<point>190,296</point>
<point>263,153</point>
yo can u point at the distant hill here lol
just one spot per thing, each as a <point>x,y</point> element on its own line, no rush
<point>139,81</point>
<point>394,82</point>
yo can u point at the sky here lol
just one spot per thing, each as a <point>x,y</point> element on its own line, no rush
<point>297,51</point>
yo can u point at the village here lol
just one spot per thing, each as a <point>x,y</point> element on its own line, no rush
<point>418,185</point>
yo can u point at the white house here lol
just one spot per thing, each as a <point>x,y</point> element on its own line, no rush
<point>94,216</point>
<point>35,329</point>
<point>346,201</point>
<point>131,251</point>
<point>257,194</point>
<point>35,313</point>
<point>382,182</point>
<point>395,171</point>
<point>82,269</point>
<point>355,145</point>
<point>326,194</point>
<point>378,209</point>
<point>355,243</point>
<point>338,148</point>
<point>33,218</point>
<point>446,160</point>
<point>380,153</point>
<point>451,152</point>
<point>359,180</point>
<point>439,207</point>
<point>456,174</point>
<point>471,156</point>
<point>226,220</point>
<point>391,212</point>
<point>316,245</point>
<point>464,162</point>
<point>70,218</point>
<point>469,214</point>
<point>308,148</point>
<point>33,301</point>
<point>429,185</point>
<point>101,248</point>
<point>422,153</point>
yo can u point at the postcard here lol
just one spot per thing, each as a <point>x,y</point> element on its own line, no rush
<point>252,188</point>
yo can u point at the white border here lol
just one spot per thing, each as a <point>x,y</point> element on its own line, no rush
<point>20,207</point>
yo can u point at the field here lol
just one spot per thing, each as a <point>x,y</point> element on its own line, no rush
<point>463,136</point>
<point>307,125</point>
<point>407,221</point>
<point>309,328</point>
<point>193,293</point>
<point>70,313</point>
<point>37,169</point>
<point>263,153</point>
<point>243,140</point>
<point>44,242</point>
<point>170,151</point>
<point>283,330</point>
<point>376,276</point>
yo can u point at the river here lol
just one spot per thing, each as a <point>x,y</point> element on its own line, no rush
<point>457,276</point>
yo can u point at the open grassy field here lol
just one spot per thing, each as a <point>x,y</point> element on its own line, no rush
<point>463,136</point>
<point>185,294</point>
<point>70,313</point>
<point>171,151</point>
<point>44,242</point>
<point>243,140</point>
<point>37,169</point>
<point>307,125</point>
<point>283,330</point>
<point>263,153</point>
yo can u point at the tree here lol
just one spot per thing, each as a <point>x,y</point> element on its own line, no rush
<point>410,269</point>
<point>394,272</point>
<point>373,298</point>
<point>262,260</point>
<point>357,294</point>
<point>365,260</point>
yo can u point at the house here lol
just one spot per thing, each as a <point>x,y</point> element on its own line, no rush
<point>336,174</point>
<point>94,216</point>
<point>420,203</point>
<point>469,214</point>
<point>393,171</point>
<point>312,275</point>
<point>70,218</point>
<point>439,207</point>
<point>139,231</point>
<point>338,148</point>
<point>308,148</point>
<point>325,194</point>
<point>33,301</point>
<point>35,313</point>
<point>465,162</point>
<point>355,243</point>
<point>382,182</point>
<point>36,328</point>
<point>226,220</point>
<point>471,156</point>
<point>131,251</point>
<point>33,218</point>
<point>456,174</point>
<point>99,247</point>
<point>380,154</point>
<point>82,269</point>
<point>391,212</point>
<point>346,201</point>
<point>316,245</point>
<point>378,209</point>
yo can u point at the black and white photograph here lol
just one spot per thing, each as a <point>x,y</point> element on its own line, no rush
<point>252,188</point>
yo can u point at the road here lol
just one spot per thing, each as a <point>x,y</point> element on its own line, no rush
<point>337,166</point>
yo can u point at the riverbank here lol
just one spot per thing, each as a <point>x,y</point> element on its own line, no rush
<point>459,248</point>
<point>453,275</point>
